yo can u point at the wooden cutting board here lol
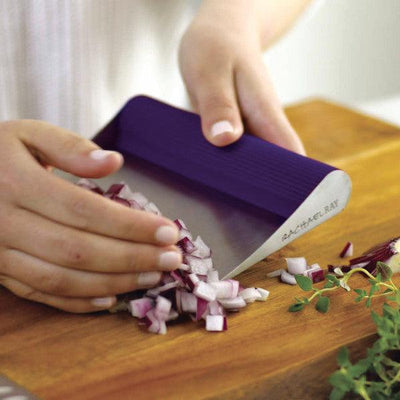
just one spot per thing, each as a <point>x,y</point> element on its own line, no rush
<point>267,353</point>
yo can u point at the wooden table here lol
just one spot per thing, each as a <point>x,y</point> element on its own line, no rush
<point>267,353</point>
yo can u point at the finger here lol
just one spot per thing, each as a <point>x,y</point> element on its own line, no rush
<point>66,150</point>
<point>74,305</point>
<point>57,280</point>
<point>213,96</point>
<point>66,203</point>
<point>68,247</point>
<point>261,109</point>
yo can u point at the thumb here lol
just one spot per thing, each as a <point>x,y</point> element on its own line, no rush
<point>67,151</point>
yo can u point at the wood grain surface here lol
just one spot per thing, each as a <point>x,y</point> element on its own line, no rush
<point>267,353</point>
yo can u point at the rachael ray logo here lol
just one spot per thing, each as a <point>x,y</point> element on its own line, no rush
<point>311,220</point>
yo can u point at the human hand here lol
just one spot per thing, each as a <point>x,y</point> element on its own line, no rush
<point>221,63</point>
<point>63,245</point>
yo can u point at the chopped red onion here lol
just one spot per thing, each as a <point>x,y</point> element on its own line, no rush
<point>186,245</point>
<point>163,308</point>
<point>263,293</point>
<point>205,291</point>
<point>202,250</point>
<point>193,289</point>
<point>89,185</point>
<point>296,265</point>
<point>151,207</point>
<point>228,289</point>
<point>216,323</point>
<point>317,276</point>
<point>249,295</point>
<point>140,307</point>
<point>188,302</point>
<point>288,278</point>
<point>212,276</point>
<point>199,266</point>
<point>202,307</point>
<point>215,308</point>
<point>276,273</point>
<point>347,250</point>
<point>233,304</point>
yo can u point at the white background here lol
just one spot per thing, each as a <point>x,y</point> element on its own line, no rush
<point>347,51</point>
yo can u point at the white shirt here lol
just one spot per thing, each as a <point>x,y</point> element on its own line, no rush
<point>74,63</point>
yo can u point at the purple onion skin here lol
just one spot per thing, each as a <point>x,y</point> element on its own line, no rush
<point>344,251</point>
<point>379,253</point>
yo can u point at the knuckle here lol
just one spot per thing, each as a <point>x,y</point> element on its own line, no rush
<point>54,282</point>
<point>219,103</point>
<point>74,252</point>
<point>72,143</point>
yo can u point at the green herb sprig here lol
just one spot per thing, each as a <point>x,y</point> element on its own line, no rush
<point>383,280</point>
<point>377,376</point>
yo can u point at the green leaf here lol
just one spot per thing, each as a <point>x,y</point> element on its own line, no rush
<point>384,270</point>
<point>322,304</point>
<point>337,394</point>
<point>360,368</point>
<point>333,279</point>
<point>328,285</point>
<point>296,307</point>
<point>374,289</point>
<point>341,381</point>
<point>304,282</point>
<point>343,357</point>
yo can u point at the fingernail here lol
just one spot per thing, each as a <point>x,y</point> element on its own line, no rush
<point>170,260</point>
<point>167,234</point>
<point>102,154</point>
<point>221,127</point>
<point>103,302</point>
<point>149,278</point>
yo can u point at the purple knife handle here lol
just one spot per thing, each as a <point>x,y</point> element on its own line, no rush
<point>252,170</point>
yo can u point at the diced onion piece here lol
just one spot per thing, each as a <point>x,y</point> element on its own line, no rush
<point>180,224</point>
<point>151,207</point>
<point>216,323</point>
<point>212,276</point>
<point>188,302</point>
<point>264,294</point>
<point>288,278</point>
<point>249,295</point>
<point>347,250</point>
<point>338,271</point>
<point>214,308</point>
<point>233,304</point>
<point>202,308</point>
<point>89,185</point>
<point>140,307</point>
<point>296,265</point>
<point>139,198</point>
<point>228,289</point>
<point>163,307</point>
<point>198,265</point>
<point>202,250</point>
<point>274,274</point>
<point>186,245</point>
<point>172,315</point>
<point>192,280</point>
<point>317,276</point>
<point>205,291</point>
